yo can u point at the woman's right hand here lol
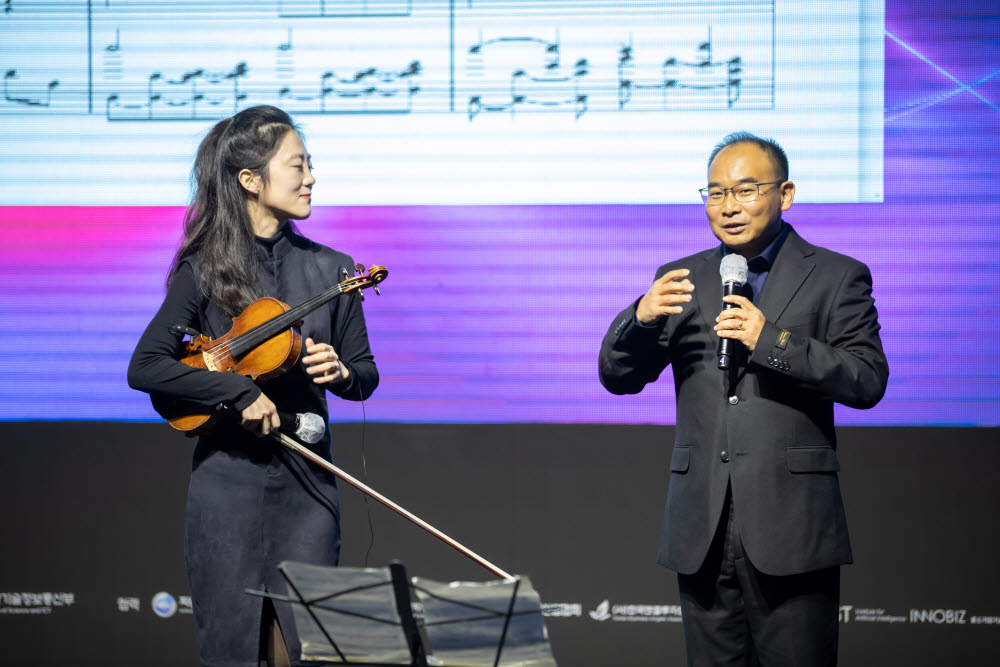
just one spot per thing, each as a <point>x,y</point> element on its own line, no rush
<point>261,417</point>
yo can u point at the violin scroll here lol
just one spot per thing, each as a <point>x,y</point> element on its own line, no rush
<point>376,274</point>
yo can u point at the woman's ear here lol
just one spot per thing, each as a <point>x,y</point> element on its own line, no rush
<point>249,180</point>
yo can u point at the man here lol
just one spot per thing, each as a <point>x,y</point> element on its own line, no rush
<point>754,524</point>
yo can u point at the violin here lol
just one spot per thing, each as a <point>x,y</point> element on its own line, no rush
<point>264,342</point>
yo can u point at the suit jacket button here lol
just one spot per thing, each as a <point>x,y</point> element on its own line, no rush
<point>724,456</point>
<point>733,400</point>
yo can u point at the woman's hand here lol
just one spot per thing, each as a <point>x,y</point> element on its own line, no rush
<point>324,363</point>
<point>261,417</point>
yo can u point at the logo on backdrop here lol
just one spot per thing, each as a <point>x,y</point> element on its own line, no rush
<point>849,613</point>
<point>34,603</point>
<point>164,604</point>
<point>938,616</point>
<point>601,613</point>
<point>127,604</point>
<point>636,613</point>
<point>562,609</point>
<point>985,620</point>
<point>667,613</point>
<point>852,614</point>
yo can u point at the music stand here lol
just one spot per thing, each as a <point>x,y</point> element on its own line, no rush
<point>362,616</point>
<point>492,624</point>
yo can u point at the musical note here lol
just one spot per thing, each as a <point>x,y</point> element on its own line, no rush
<point>286,46</point>
<point>369,91</point>
<point>735,68</point>
<point>550,89</point>
<point>235,75</point>
<point>695,80</point>
<point>113,59</point>
<point>8,6</point>
<point>114,48</point>
<point>285,59</point>
<point>181,98</point>
<point>150,96</point>
<point>624,83</point>
<point>10,75</point>
<point>705,50</point>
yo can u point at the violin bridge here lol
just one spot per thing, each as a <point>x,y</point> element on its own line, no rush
<point>209,361</point>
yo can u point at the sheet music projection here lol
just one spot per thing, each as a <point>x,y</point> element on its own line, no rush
<point>449,101</point>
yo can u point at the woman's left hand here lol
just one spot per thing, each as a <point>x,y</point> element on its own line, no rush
<point>324,363</point>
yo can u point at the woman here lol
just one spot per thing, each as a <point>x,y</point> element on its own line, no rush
<point>251,503</point>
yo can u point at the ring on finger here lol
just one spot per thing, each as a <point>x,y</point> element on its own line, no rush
<point>740,327</point>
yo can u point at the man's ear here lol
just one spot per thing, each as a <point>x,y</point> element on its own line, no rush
<point>249,180</point>
<point>787,195</point>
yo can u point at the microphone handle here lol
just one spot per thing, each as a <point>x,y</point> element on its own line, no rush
<point>289,421</point>
<point>726,345</point>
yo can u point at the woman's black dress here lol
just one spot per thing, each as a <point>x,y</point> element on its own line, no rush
<point>251,502</point>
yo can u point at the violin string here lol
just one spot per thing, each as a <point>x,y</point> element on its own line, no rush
<point>222,350</point>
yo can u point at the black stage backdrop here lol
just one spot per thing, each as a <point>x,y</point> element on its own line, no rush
<point>93,516</point>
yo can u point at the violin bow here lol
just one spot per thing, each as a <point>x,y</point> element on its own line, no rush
<point>307,453</point>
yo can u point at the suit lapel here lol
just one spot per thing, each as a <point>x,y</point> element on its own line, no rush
<point>792,266</point>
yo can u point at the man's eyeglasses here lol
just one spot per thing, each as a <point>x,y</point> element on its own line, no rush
<point>743,193</point>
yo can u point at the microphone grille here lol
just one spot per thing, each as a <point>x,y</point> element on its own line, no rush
<point>310,428</point>
<point>733,269</point>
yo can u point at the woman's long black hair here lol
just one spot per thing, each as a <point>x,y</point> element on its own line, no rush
<point>218,231</point>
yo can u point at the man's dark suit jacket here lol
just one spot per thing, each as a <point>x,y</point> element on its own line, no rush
<point>766,429</point>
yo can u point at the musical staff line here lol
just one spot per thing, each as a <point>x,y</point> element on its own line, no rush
<point>288,9</point>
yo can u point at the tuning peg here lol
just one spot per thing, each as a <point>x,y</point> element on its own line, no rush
<point>377,293</point>
<point>359,268</point>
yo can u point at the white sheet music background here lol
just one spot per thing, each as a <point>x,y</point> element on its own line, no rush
<point>441,102</point>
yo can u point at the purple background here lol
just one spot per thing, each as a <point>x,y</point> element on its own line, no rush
<point>495,314</point>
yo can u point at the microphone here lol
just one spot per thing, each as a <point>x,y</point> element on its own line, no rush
<point>305,426</point>
<point>734,274</point>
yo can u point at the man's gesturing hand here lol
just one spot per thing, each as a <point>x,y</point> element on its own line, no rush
<point>665,297</point>
<point>742,323</point>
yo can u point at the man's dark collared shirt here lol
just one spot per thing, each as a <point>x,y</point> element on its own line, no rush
<point>760,266</point>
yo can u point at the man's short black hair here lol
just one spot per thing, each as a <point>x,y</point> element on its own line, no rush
<point>769,146</point>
